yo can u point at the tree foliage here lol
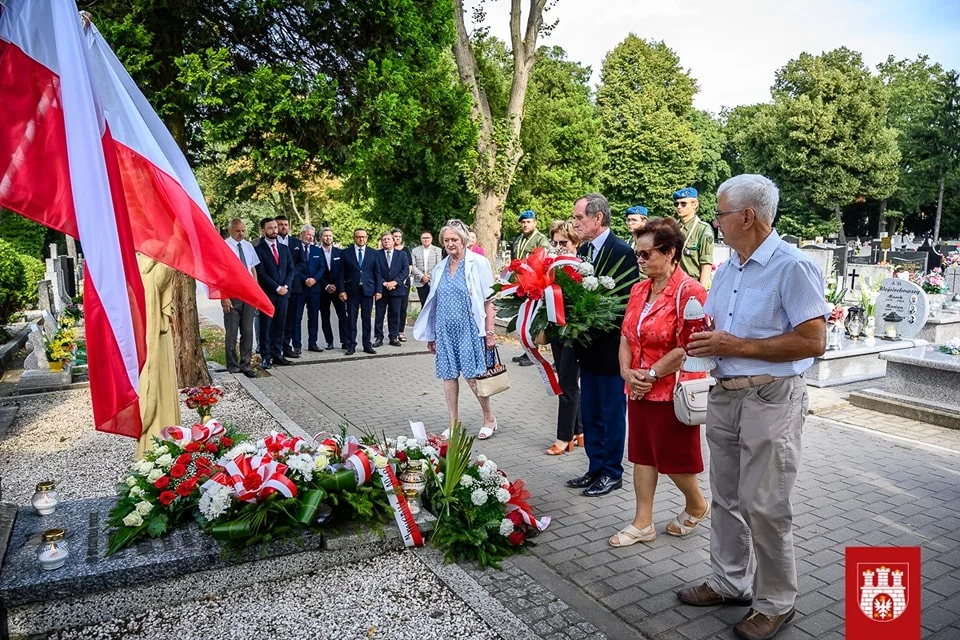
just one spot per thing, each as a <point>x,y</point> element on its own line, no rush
<point>645,102</point>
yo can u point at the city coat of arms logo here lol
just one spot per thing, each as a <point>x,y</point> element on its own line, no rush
<point>883,590</point>
<point>882,593</point>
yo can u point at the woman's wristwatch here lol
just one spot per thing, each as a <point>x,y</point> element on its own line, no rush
<point>652,373</point>
<point>489,333</point>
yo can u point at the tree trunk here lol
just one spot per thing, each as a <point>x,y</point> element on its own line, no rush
<point>497,160</point>
<point>191,365</point>
<point>936,222</point>
<point>841,236</point>
<point>306,213</point>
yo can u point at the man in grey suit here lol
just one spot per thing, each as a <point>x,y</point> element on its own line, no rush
<point>237,314</point>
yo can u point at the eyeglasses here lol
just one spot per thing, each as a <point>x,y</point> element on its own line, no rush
<point>719,214</point>
<point>559,243</point>
<point>644,255</point>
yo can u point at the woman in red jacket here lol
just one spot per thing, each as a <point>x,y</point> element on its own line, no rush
<point>650,359</point>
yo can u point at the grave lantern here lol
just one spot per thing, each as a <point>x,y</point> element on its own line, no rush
<point>893,319</point>
<point>694,321</point>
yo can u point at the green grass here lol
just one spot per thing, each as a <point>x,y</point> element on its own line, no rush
<point>211,339</point>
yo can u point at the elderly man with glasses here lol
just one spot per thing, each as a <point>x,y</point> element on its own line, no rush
<point>697,257</point>
<point>770,315</point>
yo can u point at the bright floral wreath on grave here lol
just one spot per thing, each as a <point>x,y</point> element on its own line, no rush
<point>952,259</point>
<point>933,282</point>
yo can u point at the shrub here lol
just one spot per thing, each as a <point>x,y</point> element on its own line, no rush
<point>12,281</point>
<point>33,270</point>
<point>26,236</point>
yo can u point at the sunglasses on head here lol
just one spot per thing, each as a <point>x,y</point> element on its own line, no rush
<point>644,255</point>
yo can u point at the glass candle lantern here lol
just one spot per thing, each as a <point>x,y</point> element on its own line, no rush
<point>413,500</point>
<point>53,549</point>
<point>45,499</point>
<point>694,321</point>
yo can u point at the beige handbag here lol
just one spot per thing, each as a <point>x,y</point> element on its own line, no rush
<point>690,396</point>
<point>495,379</point>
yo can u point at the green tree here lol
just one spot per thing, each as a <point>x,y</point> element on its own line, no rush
<point>713,168</point>
<point>26,236</point>
<point>563,153</point>
<point>645,102</point>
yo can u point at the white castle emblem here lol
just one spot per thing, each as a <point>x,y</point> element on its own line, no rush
<point>883,596</point>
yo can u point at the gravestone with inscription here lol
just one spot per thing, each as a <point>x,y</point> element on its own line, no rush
<point>935,258</point>
<point>901,309</point>
<point>912,261</point>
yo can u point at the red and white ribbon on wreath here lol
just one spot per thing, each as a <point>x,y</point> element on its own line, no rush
<point>196,433</point>
<point>277,442</point>
<point>535,282</point>
<point>409,530</point>
<point>254,478</point>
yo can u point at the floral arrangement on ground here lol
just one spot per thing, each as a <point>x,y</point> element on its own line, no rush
<point>933,282</point>
<point>952,348</point>
<point>560,296</point>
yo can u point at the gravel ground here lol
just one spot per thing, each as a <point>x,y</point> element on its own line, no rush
<point>53,438</point>
<point>391,596</point>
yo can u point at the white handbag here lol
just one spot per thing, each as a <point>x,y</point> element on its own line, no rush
<point>690,396</point>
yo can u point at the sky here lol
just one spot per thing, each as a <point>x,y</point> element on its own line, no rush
<point>733,48</point>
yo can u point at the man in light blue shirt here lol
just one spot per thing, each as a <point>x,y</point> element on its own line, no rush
<point>770,323</point>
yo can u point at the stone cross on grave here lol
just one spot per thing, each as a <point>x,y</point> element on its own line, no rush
<point>853,275</point>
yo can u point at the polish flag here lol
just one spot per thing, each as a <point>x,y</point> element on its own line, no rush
<point>58,166</point>
<point>168,214</point>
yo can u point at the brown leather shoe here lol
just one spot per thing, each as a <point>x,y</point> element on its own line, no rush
<point>704,596</point>
<point>759,626</point>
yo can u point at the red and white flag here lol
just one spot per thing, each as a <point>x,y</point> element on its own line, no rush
<point>168,214</point>
<point>58,166</point>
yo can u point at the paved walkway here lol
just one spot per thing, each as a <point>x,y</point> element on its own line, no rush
<point>858,487</point>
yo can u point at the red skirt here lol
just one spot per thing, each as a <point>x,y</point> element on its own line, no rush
<point>658,439</point>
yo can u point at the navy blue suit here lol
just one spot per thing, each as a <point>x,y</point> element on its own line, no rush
<point>270,276</point>
<point>333,276</point>
<point>360,282</point>
<point>392,301</point>
<point>603,404</point>
<point>314,266</point>
<point>294,320</point>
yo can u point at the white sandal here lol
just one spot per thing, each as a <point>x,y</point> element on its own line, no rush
<point>679,523</point>
<point>486,432</point>
<point>631,535</point>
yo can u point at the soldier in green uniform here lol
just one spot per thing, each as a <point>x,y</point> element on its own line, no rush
<point>523,245</point>
<point>636,220</point>
<point>530,237</point>
<point>697,257</point>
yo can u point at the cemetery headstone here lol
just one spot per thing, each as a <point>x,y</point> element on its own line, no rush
<point>952,278</point>
<point>935,257</point>
<point>860,260</point>
<point>37,358</point>
<point>69,276</point>
<point>790,239</point>
<point>721,253</point>
<point>901,309</point>
<point>49,323</point>
<point>912,261</point>
<point>824,258</point>
<point>867,275</point>
<point>45,299</point>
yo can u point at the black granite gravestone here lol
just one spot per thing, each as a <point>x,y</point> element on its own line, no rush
<point>912,261</point>
<point>935,259</point>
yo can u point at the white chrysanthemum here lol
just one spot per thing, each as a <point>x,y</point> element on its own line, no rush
<point>402,442</point>
<point>481,459</point>
<point>320,462</point>
<point>590,283</point>
<point>165,461</point>
<point>154,475</point>
<point>136,491</point>
<point>215,502</point>
<point>506,527</point>
<point>466,480</point>
<point>303,464</point>
<point>503,496</point>
<point>488,469</point>
<point>607,282</point>
<point>585,269</point>
<point>478,497</point>
<point>241,448</point>
<point>430,451</point>
<point>130,481</point>
<point>133,519</point>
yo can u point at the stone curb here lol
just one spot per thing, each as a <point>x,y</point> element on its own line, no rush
<point>9,350</point>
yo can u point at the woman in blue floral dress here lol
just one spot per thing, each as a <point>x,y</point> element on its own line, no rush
<point>457,321</point>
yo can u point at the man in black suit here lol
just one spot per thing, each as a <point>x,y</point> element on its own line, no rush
<point>291,325</point>
<point>603,404</point>
<point>394,269</point>
<point>275,275</point>
<point>314,267</point>
<point>332,286</point>
<point>361,286</point>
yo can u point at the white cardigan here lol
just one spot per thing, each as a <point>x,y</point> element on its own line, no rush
<point>479,285</point>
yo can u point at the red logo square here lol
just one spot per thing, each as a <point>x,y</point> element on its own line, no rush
<point>882,593</point>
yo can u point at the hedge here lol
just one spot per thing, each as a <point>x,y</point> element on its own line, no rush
<point>13,281</point>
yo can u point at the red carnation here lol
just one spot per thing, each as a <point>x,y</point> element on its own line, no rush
<point>192,447</point>
<point>226,442</point>
<point>167,497</point>
<point>162,482</point>
<point>515,517</point>
<point>178,471</point>
<point>514,265</point>
<point>516,538</point>
<point>183,458</point>
<point>252,482</point>
<point>210,447</point>
<point>573,273</point>
<point>402,456</point>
